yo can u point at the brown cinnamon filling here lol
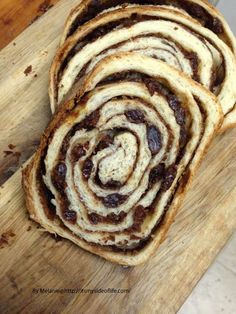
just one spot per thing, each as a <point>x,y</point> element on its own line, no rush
<point>89,122</point>
<point>140,214</point>
<point>105,142</point>
<point>156,174</point>
<point>77,152</point>
<point>194,9</point>
<point>189,55</point>
<point>45,197</point>
<point>126,22</point>
<point>110,218</point>
<point>58,176</point>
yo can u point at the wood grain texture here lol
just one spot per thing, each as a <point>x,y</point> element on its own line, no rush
<point>24,104</point>
<point>16,15</point>
<point>31,258</point>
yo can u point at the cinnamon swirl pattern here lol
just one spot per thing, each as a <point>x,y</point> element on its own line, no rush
<point>201,10</point>
<point>115,161</point>
<point>165,33</point>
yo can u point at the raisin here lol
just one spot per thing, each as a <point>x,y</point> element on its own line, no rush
<point>113,184</point>
<point>135,116</point>
<point>113,218</point>
<point>140,213</point>
<point>77,152</point>
<point>58,176</point>
<point>216,26</point>
<point>87,168</point>
<point>169,177</point>
<point>70,215</point>
<point>178,110</point>
<point>156,174</point>
<point>94,218</point>
<point>114,200</point>
<point>154,139</point>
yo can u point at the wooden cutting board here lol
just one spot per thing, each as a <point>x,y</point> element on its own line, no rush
<point>16,15</point>
<point>32,259</point>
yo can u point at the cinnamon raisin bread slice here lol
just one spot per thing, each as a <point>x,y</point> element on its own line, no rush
<point>115,162</point>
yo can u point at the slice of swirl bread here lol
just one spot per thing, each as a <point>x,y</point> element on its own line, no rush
<point>163,33</point>
<point>115,161</point>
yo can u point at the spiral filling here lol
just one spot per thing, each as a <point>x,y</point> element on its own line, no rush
<point>171,42</point>
<point>197,11</point>
<point>117,167</point>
